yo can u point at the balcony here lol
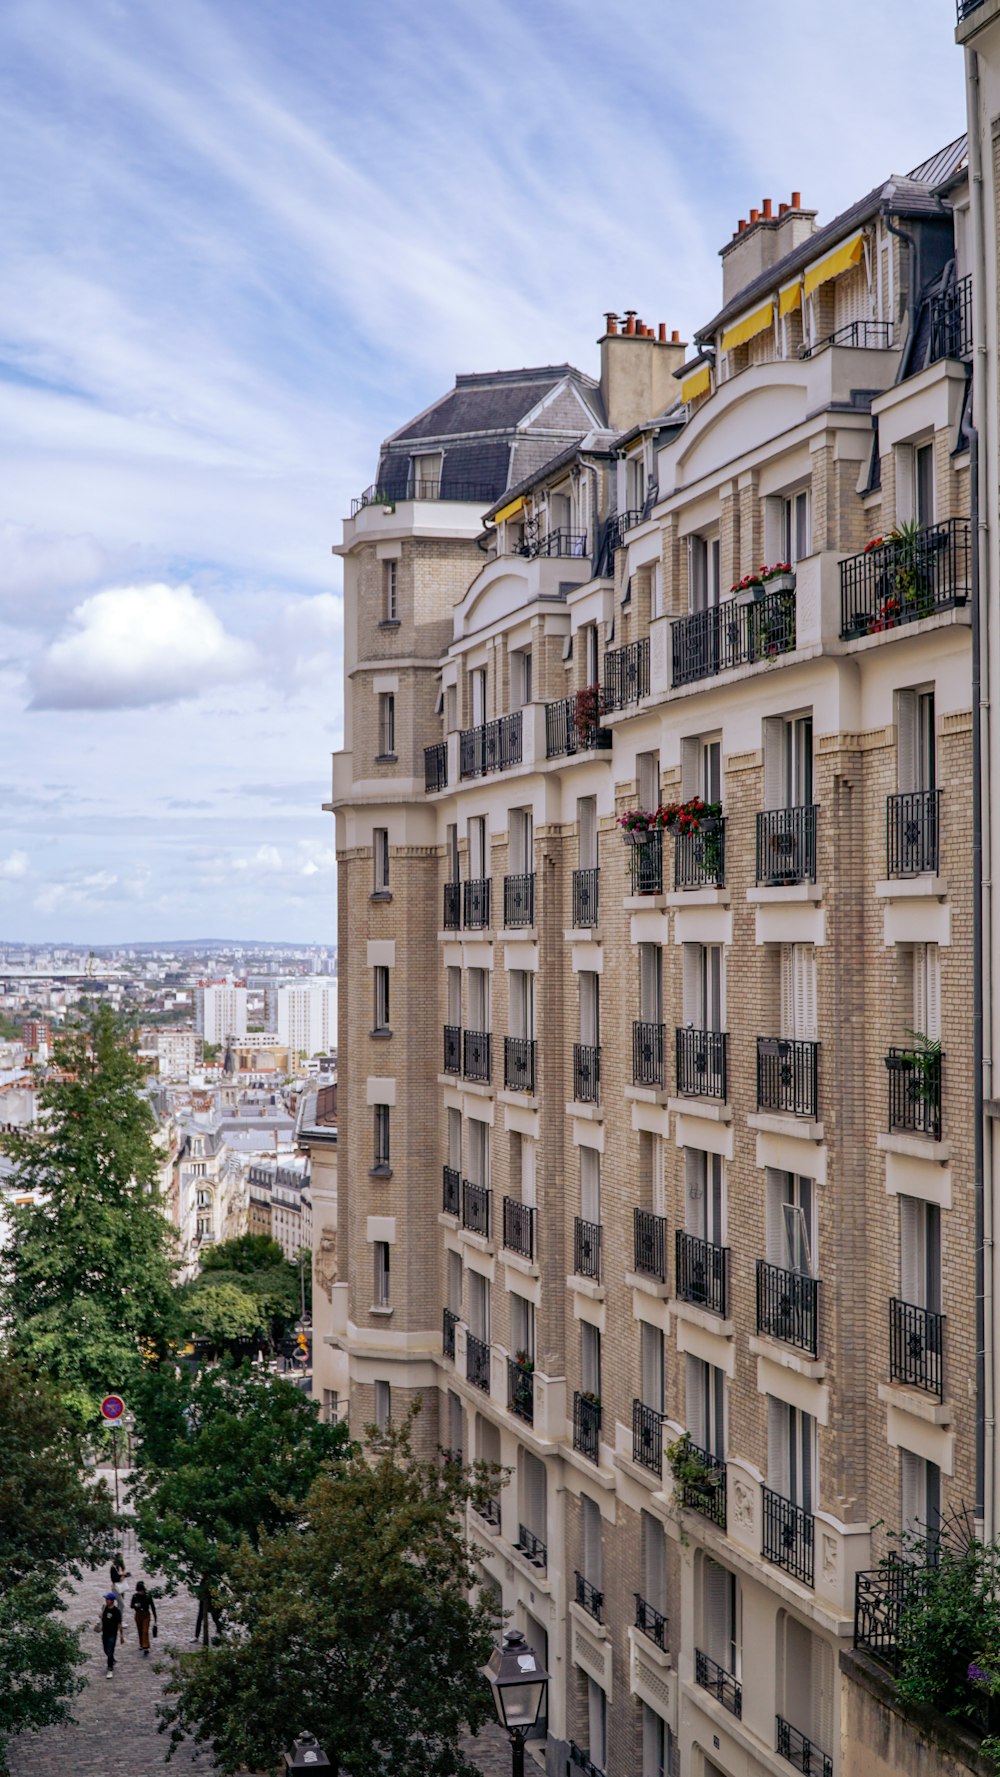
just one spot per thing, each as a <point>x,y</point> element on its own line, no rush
<point>532,1547</point>
<point>701,1063</point>
<point>436,767</point>
<point>650,1244</point>
<point>951,314</point>
<point>916,1347</point>
<point>626,674</point>
<point>476,1055</point>
<point>586,899</point>
<point>519,1064</point>
<point>492,746</point>
<point>589,1598</point>
<point>901,579</point>
<point>519,1228</point>
<point>786,845</point>
<point>786,1306</point>
<point>800,1752</point>
<point>966,8</point>
<point>788,1536</point>
<point>586,1073</point>
<point>582,1761</point>
<point>700,858</point>
<point>521,1390</point>
<point>647,1437</point>
<point>558,542</point>
<point>476,903</point>
<point>476,1208</point>
<point>477,1362</point>
<point>451,1199</point>
<point>788,1076</point>
<point>915,1090</point>
<point>700,1482</point>
<point>650,1622</point>
<point>586,1425</point>
<point>647,864</point>
<point>519,900</point>
<point>587,1249</point>
<point>452,1049</point>
<point>882,1595</point>
<point>859,336</point>
<point>572,725</point>
<point>702,1273</point>
<point>449,1322</point>
<point>719,1683</point>
<point>489,1511</point>
<point>912,831</point>
<point>452,906</point>
<point>647,1054</point>
<point>438,487</point>
<point>620,523</point>
<point>728,635</point>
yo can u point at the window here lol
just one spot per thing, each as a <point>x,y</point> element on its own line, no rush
<point>651,983</point>
<point>586,823</point>
<point>455,1282</point>
<point>787,524</point>
<point>455,1426</point>
<point>920,1253</point>
<point>925,963</point>
<point>532,1495</point>
<point>425,474</point>
<point>381,1117</point>
<point>705,1195</point>
<point>590,1185</point>
<point>656,592</point>
<point>592,1565</point>
<point>791,1453</point>
<point>387,724</point>
<point>528,1152</point>
<point>920,1498</point>
<point>477,692</point>
<point>380,858</point>
<point>390,609</point>
<point>720,1604</point>
<point>703,573</point>
<point>381,1250</point>
<point>916,745</point>
<point>479,999</point>
<point>788,762</point>
<point>381,974</point>
<point>805,1682</point>
<point>331,1406</point>
<point>522,841</point>
<point>651,1366</point>
<point>654,1561</point>
<point>476,834</point>
<point>590,1007</point>
<point>635,482</point>
<point>451,852</point>
<point>450,708</point>
<point>520,678</point>
<point>703,986</point>
<point>522,1327</point>
<point>597,1724</point>
<point>923,484</point>
<point>453,984</point>
<point>590,1359</point>
<point>701,767</point>
<point>522,1003</point>
<point>705,1406</point>
<point>479,1306</point>
<point>383,1405</point>
<point>798,992</point>
<point>791,1222</point>
<point>479,1153</point>
<point>647,771</point>
<point>659,1755</point>
<point>591,654</point>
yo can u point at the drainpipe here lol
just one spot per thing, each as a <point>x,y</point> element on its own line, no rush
<point>981,841</point>
<point>911,303</point>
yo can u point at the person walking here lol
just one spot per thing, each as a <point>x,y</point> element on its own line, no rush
<point>206,1609</point>
<point>110,1626</point>
<point>119,1572</point>
<point>143,1609</point>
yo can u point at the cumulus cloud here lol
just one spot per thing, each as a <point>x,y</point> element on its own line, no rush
<point>266,857</point>
<point>321,860</point>
<point>14,866</point>
<point>133,646</point>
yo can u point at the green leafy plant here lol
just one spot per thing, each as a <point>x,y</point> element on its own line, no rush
<point>924,1067</point>
<point>690,1471</point>
<point>948,1634</point>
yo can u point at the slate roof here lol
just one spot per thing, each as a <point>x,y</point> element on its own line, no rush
<point>495,401</point>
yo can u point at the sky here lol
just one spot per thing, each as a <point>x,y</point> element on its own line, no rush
<point>244,240</point>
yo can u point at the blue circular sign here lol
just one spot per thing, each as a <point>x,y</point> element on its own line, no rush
<point>112,1407</point>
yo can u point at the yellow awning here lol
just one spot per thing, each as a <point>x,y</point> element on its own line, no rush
<point>790,299</point>
<point>509,511</point>
<point>750,325</point>
<point>834,263</point>
<point>698,383</point>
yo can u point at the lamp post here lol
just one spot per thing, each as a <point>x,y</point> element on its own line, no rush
<point>519,1682</point>
<point>306,1755</point>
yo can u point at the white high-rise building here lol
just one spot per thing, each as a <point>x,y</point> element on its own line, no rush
<point>304,1014</point>
<point>220,1009</point>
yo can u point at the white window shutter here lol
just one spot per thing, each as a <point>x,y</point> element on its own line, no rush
<point>659,1181</point>
<point>715,1611</point>
<point>528,1153</point>
<point>804,991</point>
<point>690,769</point>
<point>773,528</point>
<point>694,1192</point>
<point>912,1492</point>
<point>775,1197</point>
<point>691,960</point>
<point>787,991</point>
<point>777,1446</point>
<point>798,1673</point>
<point>823,1694</point>
<point>775,787</point>
<point>932,1028</point>
<point>694,1399</point>
<point>910,1249</point>
<point>905,489</point>
<point>906,740</point>
<point>918,955</point>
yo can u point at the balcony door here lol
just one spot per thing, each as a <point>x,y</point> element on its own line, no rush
<point>522,841</point>
<point>720,1615</point>
<point>479,1152</point>
<point>647,772</point>
<point>703,986</point>
<point>916,741</point>
<point>798,992</point>
<point>703,573</point>
<point>791,1222</point>
<point>705,1196</point>
<point>479,999</point>
<point>522,1003</point>
<point>791,1453</point>
<point>479,1307</point>
<point>651,1366</point>
<point>476,833</point>
<point>651,983</point>
<point>806,1682</point>
<point>590,1008</point>
<point>590,1186</point>
<point>705,1407</point>
<point>586,821</point>
<point>477,694</point>
<point>788,761</point>
<point>920,1253</point>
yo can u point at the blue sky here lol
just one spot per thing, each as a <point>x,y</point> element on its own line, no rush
<point>244,240</point>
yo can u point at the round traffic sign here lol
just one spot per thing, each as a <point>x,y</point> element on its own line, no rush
<point>112,1407</point>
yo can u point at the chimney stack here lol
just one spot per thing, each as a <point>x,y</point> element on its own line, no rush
<point>766,211</point>
<point>762,242</point>
<point>637,368</point>
<point>796,200</point>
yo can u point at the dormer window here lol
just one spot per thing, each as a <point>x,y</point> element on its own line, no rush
<point>635,483</point>
<point>425,475</point>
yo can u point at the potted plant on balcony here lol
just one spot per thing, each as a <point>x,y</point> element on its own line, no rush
<point>692,1475</point>
<point>702,818</point>
<point>588,708</point>
<point>913,577</point>
<point>922,1065</point>
<point>778,578</point>
<point>637,824</point>
<point>748,589</point>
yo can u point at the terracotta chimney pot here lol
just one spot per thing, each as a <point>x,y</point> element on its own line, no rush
<point>754,217</point>
<point>796,200</point>
<point>661,333</point>
<point>782,209</point>
<point>610,321</point>
<point>741,226</point>
<point>766,212</point>
<point>675,338</point>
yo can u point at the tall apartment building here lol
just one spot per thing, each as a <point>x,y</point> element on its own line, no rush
<point>304,1015</point>
<point>657,1178</point>
<point>220,1009</point>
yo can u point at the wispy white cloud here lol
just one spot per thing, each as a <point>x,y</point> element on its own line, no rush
<point>133,646</point>
<point>14,866</point>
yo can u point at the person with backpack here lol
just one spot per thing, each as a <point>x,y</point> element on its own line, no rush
<point>119,1572</point>
<point>143,1609</point>
<point>110,1626</point>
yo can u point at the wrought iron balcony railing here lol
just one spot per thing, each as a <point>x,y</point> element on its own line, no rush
<point>700,857</point>
<point>789,1536</point>
<point>801,1752</point>
<point>582,1761</point>
<point>626,674</point>
<point>881,1595</point>
<point>572,726</point>
<point>489,1511</point>
<point>586,1426</point>
<point>702,1272</point>
<point>586,1073</point>
<point>647,1437</point>
<point>587,1249</point>
<point>650,1244</point>
<point>452,906</point>
<point>476,903</point>
<point>912,833</point>
<point>519,900</point>
<point>915,1090</point>
<point>532,1547</point>
<point>476,1054</point>
<point>620,523</point>
<point>519,1227</point>
<point>862,336</point>
<point>437,487</point>
<point>786,845</point>
<point>714,1678</point>
<point>491,746</point>
<point>451,1198</point>
<point>436,766</point>
<point>951,321</point>
<point>647,1054</point>
<point>788,1076</point>
<point>589,1598</point>
<point>786,1306</point>
<point>476,1208</point>
<point>586,898</point>
<point>916,1346</point>
<point>701,1063</point>
<point>521,1390</point>
<point>452,1049</point>
<point>449,1322</point>
<point>477,1362</point>
<point>647,864</point>
<point>559,542</point>
<point>650,1622</point>
<point>729,635</point>
<point>966,8</point>
<point>704,1492</point>
<point>519,1064</point>
<point>904,578</point>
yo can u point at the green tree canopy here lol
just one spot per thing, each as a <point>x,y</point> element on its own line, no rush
<point>245,1252</point>
<point>85,1281</point>
<point>225,1314</point>
<point>359,1620</point>
<point>255,1265</point>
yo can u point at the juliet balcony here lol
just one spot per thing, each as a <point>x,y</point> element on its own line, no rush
<point>916,1347</point>
<point>915,1089</point>
<point>732,634</point>
<point>586,1073</point>
<point>477,1362</point>
<point>589,1597</point>
<point>789,1536</point>
<point>702,1273</point>
<point>451,1194</point>
<point>519,1064</point>
<point>648,1046</point>
<point>452,1049</point>
<point>477,1208</point>
<point>787,1306</point>
<point>587,1249</point>
<point>521,1390</point>
<point>788,1076</point>
<point>647,1437</point>
<point>626,674</point>
<point>477,1055</point>
<point>519,901</point>
<point>436,767</point>
<point>701,1057</point>
<point>649,1244</point>
<point>802,1753</point>
<point>519,1228</point>
<point>786,845</point>
<point>912,833</point>
<point>587,1425</point>
<point>719,1683</point>
<point>900,579</point>
<point>492,746</point>
<point>650,1622</point>
<point>476,903</point>
<point>586,899</point>
<point>572,725</point>
<point>449,1322</point>
<point>700,857</point>
<point>647,864</point>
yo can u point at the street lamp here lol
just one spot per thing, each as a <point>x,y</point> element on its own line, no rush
<point>518,1681</point>
<point>306,1755</point>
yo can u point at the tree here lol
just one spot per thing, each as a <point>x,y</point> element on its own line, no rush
<point>225,1454</point>
<point>359,1620</point>
<point>255,1265</point>
<point>85,1282</point>
<point>225,1315</point>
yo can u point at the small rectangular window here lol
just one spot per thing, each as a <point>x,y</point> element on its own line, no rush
<point>590,1359</point>
<point>381,974</point>
<point>383,1405</point>
<point>381,1135</point>
<point>387,724</point>
<point>380,858</point>
<point>381,1273</point>
<point>390,604</point>
<point>923,484</point>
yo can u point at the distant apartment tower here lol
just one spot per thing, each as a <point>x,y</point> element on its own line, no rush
<point>304,1015</point>
<point>220,1009</point>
